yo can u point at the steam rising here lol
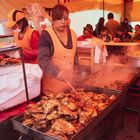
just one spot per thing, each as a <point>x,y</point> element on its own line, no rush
<point>117,68</point>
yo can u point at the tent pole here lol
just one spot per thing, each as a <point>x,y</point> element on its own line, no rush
<point>124,9</point>
<point>103,8</point>
<point>58,1</point>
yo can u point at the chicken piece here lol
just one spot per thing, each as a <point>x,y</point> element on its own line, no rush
<point>63,126</point>
<point>53,115</point>
<point>39,117</point>
<point>51,95</point>
<point>29,112</point>
<point>87,96</point>
<point>28,122</point>
<point>67,102</point>
<point>77,125</point>
<point>41,126</point>
<point>85,116</point>
<point>10,61</point>
<point>44,98</point>
<point>48,107</point>
<point>60,95</point>
<point>102,106</point>
<point>35,110</point>
<point>94,104</point>
<point>57,135</point>
<point>64,111</point>
<point>100,98</point>
<point>95,113</point>
<point>72,106</point>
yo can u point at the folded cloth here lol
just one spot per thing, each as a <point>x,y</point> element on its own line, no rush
<point>100,51</point>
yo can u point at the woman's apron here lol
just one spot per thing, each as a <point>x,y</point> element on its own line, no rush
<point>64,59</point>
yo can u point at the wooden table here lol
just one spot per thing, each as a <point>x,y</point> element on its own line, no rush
<point>127,44</point>
<point>86,54</point>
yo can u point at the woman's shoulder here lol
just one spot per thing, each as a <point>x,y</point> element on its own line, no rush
<point>73,32</point>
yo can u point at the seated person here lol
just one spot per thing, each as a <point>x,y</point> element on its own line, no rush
<point>136,37</point>
<point>121,35</point>
<point>104,35</point>
<point>98,44</point>
<point>87,33</point>
<point>137,29</point>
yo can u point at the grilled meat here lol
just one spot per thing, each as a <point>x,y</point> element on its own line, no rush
<point>64,126</point>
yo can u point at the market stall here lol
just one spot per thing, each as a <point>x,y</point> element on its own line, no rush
<point>88,111</point>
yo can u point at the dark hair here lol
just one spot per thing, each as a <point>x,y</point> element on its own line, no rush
<point>101,20</point>
<point>137,25</point>
<point>103,29</point>
<point>24,23</point>
<point>58,12</point>
<point>121,29</point>
<point>110,16</point>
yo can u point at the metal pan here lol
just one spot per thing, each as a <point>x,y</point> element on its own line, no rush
<point>99,124</point>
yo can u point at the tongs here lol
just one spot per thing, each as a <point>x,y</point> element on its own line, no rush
<point>70,85</point>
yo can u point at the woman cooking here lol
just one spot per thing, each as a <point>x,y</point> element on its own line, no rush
<point>57,49</point>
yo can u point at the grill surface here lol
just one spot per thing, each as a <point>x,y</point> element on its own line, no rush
<point>102,124</point>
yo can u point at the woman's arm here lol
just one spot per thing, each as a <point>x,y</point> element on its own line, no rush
<point>46,51</point>
<point>32,55</point>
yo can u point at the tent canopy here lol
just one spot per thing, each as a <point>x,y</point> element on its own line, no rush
<point>116,6</point>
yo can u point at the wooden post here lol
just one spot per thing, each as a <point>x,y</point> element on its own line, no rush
<point>92,59</point>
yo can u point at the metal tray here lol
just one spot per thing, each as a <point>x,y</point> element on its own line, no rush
<point>96,125</point>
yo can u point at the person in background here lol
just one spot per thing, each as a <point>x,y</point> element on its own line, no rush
<point>111,25</point>
<point>87,33</point>
<point>98,44</point>
<point>137,29</point>
<point>121,35</point>
<point>99,25</point>
<point>136,35</point>
<point>104,35</point>
<point>24,36</point>
<point>57,50</point>
<point>126,25</point>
